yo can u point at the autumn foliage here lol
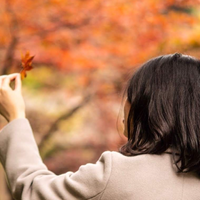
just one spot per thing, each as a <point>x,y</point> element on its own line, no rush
<point>74,35</point>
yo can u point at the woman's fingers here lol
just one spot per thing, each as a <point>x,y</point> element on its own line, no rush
<point>5,83</point>
<point>12,104</point>
<point>6,79</point>
<point>1,79</point>
<point>18,83</point>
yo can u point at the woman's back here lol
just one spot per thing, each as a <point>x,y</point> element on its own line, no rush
<point>147,177</point>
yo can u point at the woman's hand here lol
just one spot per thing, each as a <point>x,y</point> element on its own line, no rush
<point>12,104</point>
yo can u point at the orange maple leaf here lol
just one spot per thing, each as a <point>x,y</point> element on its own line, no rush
<point>26,64</point>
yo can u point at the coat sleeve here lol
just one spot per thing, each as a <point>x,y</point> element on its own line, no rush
<point>28,177</point>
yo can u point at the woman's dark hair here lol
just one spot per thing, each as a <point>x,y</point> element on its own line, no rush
<point>164,97</point>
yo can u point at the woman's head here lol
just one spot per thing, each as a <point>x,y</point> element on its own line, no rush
<point>163,100</point>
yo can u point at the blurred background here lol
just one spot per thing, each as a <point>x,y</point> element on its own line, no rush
<point>85,51</point>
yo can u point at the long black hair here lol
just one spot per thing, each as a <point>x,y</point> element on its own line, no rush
<point>164,97</point>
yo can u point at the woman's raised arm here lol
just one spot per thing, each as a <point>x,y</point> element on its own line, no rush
<point>28,177</point>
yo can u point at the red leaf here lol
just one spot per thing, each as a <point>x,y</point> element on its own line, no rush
<point>26,64</point>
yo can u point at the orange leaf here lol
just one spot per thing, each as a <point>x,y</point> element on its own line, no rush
<point>26,64</point>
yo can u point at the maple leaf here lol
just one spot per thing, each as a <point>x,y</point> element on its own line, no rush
<point>26,64</point>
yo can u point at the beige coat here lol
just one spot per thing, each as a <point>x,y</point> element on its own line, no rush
<point>113,177</point>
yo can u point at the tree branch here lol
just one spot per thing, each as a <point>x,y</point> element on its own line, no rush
<point>64,116</point>
<point>9,55</point>
<point>14,39</point>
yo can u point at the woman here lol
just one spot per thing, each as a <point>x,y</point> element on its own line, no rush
<point>160,161</point>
